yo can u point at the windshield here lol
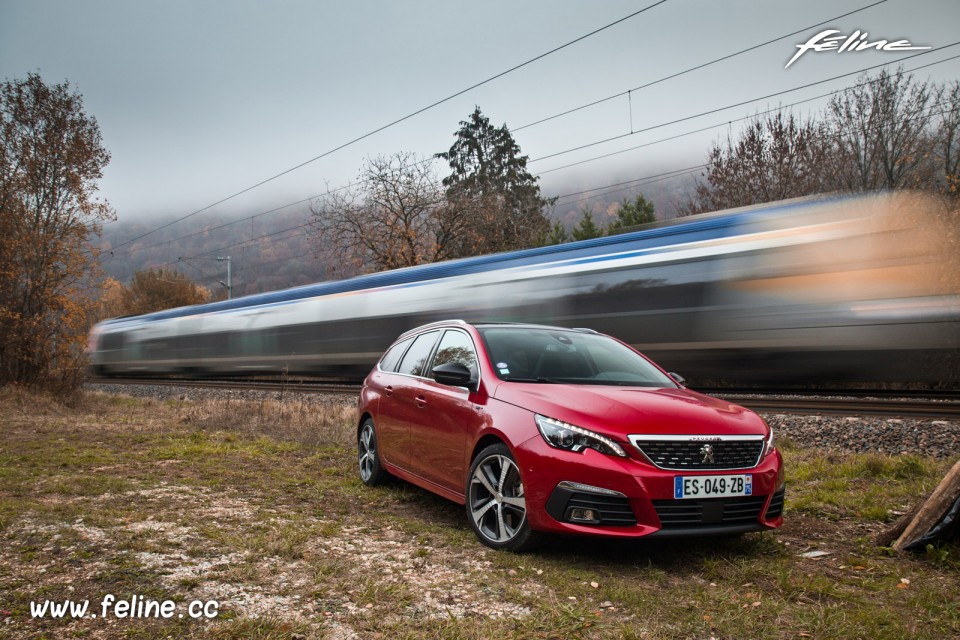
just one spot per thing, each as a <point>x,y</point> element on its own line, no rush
<point>522,354</point>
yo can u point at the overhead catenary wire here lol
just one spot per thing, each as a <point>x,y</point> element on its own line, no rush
<point>741,119</point>
<point>656,177</point>
<point>115,249</point>
<point>695,68</point>
<point>259,240</point>
<point>680,172</point>
<point>301,255</point>
<point>625,185</point>
<point>665,174</point>
<point>671,176</point>
<point>613,188</point>
<point>395,122</point>
<point>112,252</point>
<point>580,162</point>
<point>209,276</point>
<point>737,104</point>
<point>252,240</point>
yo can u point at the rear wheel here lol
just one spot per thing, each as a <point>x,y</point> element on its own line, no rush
<point>496,506</point>
<point>371,470</point>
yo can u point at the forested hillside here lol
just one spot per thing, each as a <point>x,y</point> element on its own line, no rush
<point>281,249</point>
<point>267,252</point>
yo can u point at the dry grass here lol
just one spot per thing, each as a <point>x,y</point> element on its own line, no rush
<point>299,417</point>
<point>256,504</point>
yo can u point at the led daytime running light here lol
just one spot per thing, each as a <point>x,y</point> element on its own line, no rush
<point>613,447</point>
<point>768,443</point>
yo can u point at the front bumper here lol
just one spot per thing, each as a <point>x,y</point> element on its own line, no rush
<point>635,498</point>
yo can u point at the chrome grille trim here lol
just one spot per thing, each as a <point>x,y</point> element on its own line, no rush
<point>681,452</point>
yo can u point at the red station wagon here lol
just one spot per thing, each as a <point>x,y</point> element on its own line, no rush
<point>542,429</point>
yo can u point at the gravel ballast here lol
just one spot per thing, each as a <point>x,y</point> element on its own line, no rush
<point>860,434</point>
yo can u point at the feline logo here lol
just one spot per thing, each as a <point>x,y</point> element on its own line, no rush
<point>857,41</point>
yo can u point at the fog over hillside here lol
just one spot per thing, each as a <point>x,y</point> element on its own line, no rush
<point>267,252</point>
<point>271,250</point>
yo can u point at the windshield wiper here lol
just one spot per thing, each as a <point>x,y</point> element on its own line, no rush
<point>548,380</point>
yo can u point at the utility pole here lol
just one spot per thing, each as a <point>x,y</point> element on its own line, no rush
<point>229,283</point>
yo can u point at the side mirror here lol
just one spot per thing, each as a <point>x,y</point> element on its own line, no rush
<point>453,374</point>
<point>678,379</point>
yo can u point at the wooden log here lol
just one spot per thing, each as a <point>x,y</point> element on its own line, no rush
<point>933,509</point>
<point>888,536</point>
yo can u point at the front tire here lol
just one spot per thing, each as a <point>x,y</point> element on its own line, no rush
<point>496,506</point>
<point>372,472</point>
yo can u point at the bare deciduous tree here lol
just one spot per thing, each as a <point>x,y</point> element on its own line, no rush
<point>395,216</point>
<point>948,140</point>
<point>880,131</point>
<point>774,158</point>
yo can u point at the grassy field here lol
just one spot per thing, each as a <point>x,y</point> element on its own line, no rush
<point>256,505</point>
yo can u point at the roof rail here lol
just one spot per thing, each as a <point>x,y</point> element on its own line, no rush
<point>586,329</point>
<point>437,323</point>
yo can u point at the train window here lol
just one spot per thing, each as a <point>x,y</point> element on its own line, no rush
<point>391,358</point>
<point>456,346</point>
<point>112,341</point>
<point>415,360</point>
<point>250,343</point>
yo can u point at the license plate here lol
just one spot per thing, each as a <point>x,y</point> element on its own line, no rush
<point>712,486</point>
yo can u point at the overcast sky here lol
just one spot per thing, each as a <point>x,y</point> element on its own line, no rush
<point>197,100</point>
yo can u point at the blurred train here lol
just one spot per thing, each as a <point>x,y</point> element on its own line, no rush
<point>810,291</point>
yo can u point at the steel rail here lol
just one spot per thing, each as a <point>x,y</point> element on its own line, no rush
<point>757,401</point>
<point>297,385</point>
<point>888,407</point>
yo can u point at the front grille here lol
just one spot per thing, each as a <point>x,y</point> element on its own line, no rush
<point>681,455</point>
<point>686,514</point>
<point>776,505</point>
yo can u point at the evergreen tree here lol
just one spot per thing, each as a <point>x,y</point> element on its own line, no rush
<point>558,234</point>
<point>586,228</point>
<point>632,214</point>
<point>489,183</point>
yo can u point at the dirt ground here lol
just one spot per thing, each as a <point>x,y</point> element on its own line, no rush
<point>192,502</point>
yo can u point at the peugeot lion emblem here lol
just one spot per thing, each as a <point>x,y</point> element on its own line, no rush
<point>707,452</point>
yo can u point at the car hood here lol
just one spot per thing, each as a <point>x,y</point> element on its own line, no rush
<point>623,411</point>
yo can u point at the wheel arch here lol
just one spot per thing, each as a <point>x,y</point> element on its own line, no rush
<point>485,441</point>
<point>363,418</point>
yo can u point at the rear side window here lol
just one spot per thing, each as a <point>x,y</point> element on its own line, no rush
<point>391,358</point>
<point>415,360</point>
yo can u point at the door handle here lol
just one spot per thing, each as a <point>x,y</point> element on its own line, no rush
<point>421,402</point>
<point>388,390</point>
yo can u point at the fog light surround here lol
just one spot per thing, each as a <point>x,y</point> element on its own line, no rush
<point>583,516</point>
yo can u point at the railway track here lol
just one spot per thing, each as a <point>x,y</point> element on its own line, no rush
<point>890,407</point>
<point>297,386</point>
<point>940,407</point>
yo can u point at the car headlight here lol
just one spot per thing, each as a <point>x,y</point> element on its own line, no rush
<point>573,438</point>
<point>768,443</point>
